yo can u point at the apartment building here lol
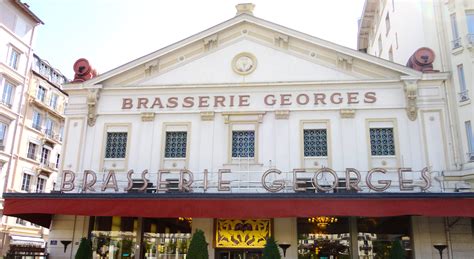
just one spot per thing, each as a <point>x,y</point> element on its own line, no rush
<point>395,29</point>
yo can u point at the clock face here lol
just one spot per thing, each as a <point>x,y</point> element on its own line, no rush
<point>244,63</point>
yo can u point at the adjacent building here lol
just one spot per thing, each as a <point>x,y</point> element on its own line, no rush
<point>395,29</point>
<point>31,122</point>
<point>250,129</point>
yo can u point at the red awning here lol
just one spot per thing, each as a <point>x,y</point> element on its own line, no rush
<point>39,208</point>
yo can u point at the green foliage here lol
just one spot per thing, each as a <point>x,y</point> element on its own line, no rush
<point>85,249</point>
<point>397,251</point>
<point>271,250</point>
<point>198,246</point>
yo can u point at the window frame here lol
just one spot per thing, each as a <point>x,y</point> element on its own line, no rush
<point>120,153</point>
<point>175,162</point>
<point>53,101</point>
<point>463,92</point>
<point>29,181</point>
<point>16,61</point>
<point>115,163</point>
<point>3,137</point>
<point>34,151</point>
<point>38,180</point>
<point>313,162</point>
<point>390,159</point>
<point>38,125</point>
<point>469,141</point>
<point>10,96</point>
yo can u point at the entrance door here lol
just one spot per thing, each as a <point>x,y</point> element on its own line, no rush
<point>239,254</point>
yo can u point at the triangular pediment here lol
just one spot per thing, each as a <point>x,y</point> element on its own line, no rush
<point>271,65</point>
<point>280,55</point>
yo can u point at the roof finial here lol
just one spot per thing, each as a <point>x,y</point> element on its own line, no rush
<point>245,8</point>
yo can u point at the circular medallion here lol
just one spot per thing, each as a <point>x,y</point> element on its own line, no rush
<point>244,63</point>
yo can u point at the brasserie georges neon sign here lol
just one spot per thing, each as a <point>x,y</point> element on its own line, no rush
<point>272,180</point>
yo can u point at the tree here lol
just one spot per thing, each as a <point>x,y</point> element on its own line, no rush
<point>85,249</point>
<point>198,246</point>
<point>271,251</point>
<point>397,251</point>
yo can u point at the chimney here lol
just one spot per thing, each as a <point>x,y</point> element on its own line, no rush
<point>245,8</point>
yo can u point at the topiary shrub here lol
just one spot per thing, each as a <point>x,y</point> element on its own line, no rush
<point>271,251</point>
<point>198,247</point>
<point>397,251</point>
<point>85,249</point>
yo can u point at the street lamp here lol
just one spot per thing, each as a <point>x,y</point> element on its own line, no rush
<point>284,247</point>
<point>440,248</point>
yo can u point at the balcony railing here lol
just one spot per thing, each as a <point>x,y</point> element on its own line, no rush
<point>463,96</point>
<point>456,43</point>
<point>470,38</point>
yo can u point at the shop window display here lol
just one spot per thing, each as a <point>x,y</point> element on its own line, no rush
<point>323,237</point>
<point>114,237</point>
<point>377,237</point>
<point>118,237</point>
<point>166,238</point>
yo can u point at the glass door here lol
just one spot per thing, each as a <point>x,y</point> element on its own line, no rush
<point>239,254</point>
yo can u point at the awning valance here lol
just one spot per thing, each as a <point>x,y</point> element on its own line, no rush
<point>27,241</point>
<point>39,208</point>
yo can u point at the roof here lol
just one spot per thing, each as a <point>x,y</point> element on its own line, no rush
<point>244,17</point>
<point>365,23</point>
<point>26,9</point>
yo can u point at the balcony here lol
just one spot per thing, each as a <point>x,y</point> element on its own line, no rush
<point>456,43</point>
<point>56,111</point>
<point>463,96</point>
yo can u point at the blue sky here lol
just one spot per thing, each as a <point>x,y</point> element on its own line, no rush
<point>110,33</point>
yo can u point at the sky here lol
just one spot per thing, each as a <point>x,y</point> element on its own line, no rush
<point>110,33</point>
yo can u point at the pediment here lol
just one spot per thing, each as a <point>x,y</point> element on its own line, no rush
<point>281,55</point>
<point>271,65</point>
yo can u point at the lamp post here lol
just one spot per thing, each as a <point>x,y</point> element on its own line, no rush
<point>440,248</point>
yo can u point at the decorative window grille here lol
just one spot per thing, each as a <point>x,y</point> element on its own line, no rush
<point>382,142</point>
<point>315,142</point>
<point>243,143</point>
<point>53,101</point>
<point>116,145</point>
<point>176,144</point>
<point>25,183</point>
<point>3,130</point>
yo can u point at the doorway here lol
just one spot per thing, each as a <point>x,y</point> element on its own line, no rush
<point>239,254</point>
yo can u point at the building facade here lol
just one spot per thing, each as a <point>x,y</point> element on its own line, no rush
<point>248,130</point>
<point>446,27</point>
<point>31,121</point>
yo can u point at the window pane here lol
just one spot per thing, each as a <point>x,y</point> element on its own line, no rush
<point>116,146</point>
<point>470,22</point>
<point>14,57</point>
<point>470,139</point>
<point>31,151</point>
<point>7,94</point>
<point>25,185</point>
<point>315,142</point>
<point>462,81</point>
<point>243,143</point>
<point>381,142</point>
<point>454,27</point>
<point>176,144</point>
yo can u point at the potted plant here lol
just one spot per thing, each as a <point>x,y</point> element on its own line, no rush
<point>85,249</point>
<point>271,251</point>
<point>198,247</point>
